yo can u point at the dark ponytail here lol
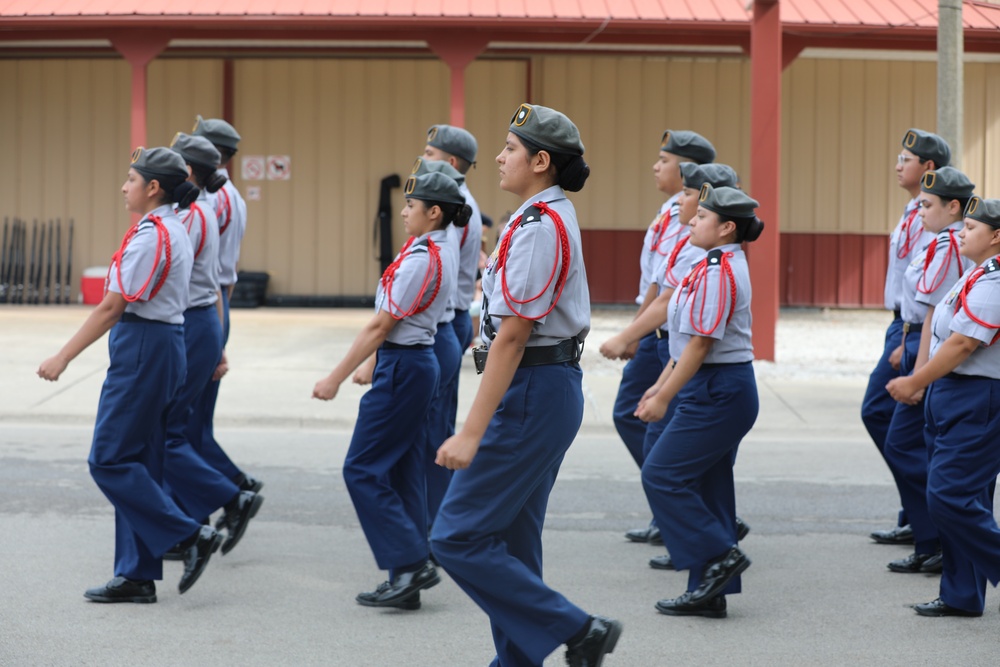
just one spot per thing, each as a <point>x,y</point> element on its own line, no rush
<point>184,194</point>
<point>456,214</point>
<point>571,170</point>
<point>207,178</point>
<point>748,229</point>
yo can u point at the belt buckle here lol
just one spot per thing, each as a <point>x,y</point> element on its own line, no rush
<point>906,327</point>
<point>659,333</point>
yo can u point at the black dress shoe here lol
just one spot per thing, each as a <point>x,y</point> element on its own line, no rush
<point>649,535</point>
<point>898,535</point>
<point>406,585</point>
<point>742,529</point>
<point>196,556</point>
<point>249,483</point>
<point>683,606</point>
<point>718,573</point>
<point>912,563</point>
<point>237,518</point>
<point>370,599</point>
<point>600,639</point>
<point>121,589</point>
<point>663,562</point>
<point>933,565</point>
<point>940,608</point>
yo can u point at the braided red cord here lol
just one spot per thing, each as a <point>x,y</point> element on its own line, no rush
<point>162,246</point>
<point>962,300</point>
<point>909,242</point>
<point>433,269</point>
<point>660,228</point>
<point>204,226</point>
<point>942,271</point>
<point>668,275</point>
<point>698,280</point>
<point>224,211</point>
<point>560,281</point>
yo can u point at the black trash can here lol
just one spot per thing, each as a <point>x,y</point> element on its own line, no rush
<point>250,290</point>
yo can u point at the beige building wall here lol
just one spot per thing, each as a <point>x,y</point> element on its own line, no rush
<point>177,91</point>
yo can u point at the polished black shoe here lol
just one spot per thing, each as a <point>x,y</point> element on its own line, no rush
<point>933,565</point>
<point>249,483</point>
<point>663,562</point>
<point>683,606</point>
<point>196,556</point>
<point>237,518</point>
<point>175,552</point>
<point>742,529</point>
<point>898,535</point>
<point>912,563</point>
<point>649,535</point>
<point>406,585</point>
<point>370,599</point>
<point>121,589</point>
<point>718,573</point>
<point>600,639</point>
<point>940,608</point>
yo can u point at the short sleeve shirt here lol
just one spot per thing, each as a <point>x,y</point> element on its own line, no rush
<point>203,232</point>
<point>470,242</point>
<point>231,211</point>
<point>907,238</point>
<point>931,273</point>
<point>983,300</point>
<point>661,235</point>
<point>413,285</point>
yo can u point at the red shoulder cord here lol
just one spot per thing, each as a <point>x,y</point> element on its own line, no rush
<point>162,246</point>
<point>188,220</point>
<point>224,211</point>
<point>668,275</point>
<point>564,253</point>
<point>962,300</point>
<point>942,271</point>
<point>433,269</point>
<point>465,235</point>
<point>659,229</point>
<point>698,280</point>
<point>908,236</point>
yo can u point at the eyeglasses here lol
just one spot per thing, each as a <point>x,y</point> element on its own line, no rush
<point>903,159</point>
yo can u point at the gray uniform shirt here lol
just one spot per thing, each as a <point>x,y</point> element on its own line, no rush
<point>901,251</point>
<point>140,260</point>
<point>658,242</point>
<point>203,232</point>
<point>448,239</point>
<point>231,211</point>
<point>931,272</point>
<point>419,328</point>
<point>699,303</point>
<point>984,302</point>
<point>528,268</point>
<point>470,241</point>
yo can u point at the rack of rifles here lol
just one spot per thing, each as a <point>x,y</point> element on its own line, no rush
<point>32,271</point>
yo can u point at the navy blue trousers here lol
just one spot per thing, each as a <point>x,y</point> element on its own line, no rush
<point>688,475</point>
<point>126,456</point>
<point>198,488</point>
<point>906,454</point>
<point>385,465</point>
<point>654,429</point>
<point>441,425</point>
<point>963,420</point>
<point>202,429</point>
<point>639,374</point>
<point>488,533</point>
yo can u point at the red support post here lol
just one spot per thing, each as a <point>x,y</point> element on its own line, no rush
<point>765,169</point>
<point>457,51</point>
<point>139,48</point>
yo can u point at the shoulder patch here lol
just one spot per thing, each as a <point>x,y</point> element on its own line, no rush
<point>419,246</point>
<point>944,236</point>
<point>714,257</point>
<point>992,265</point>
<point>531,214</point>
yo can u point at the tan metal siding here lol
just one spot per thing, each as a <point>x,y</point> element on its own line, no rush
<point>178,90</point>
<point>64,128</point>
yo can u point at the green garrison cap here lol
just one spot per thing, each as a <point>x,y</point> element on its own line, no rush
<point>218,131</point>
<point>718,175</point>
<point>454,140</point>
<point>691,145</point>
<point>947,182</point>
<point>927,146</point>
<point>434,186</point>
<point>196,150</point>
<point>727,202</point>
<point>984,210</point>
<point>159,163</point>
<point>547,128</point>
<point>425,166</point>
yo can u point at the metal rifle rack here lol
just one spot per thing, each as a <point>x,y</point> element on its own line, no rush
<point>26,267</point>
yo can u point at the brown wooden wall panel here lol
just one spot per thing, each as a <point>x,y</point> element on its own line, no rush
<point>833,270</point>
<point>849,270</point>
<point>612,261</point>
<point>177,91</point>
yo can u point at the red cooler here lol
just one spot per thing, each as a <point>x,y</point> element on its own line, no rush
<point>92,284</point>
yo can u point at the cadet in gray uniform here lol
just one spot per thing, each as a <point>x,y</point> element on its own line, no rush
<point>962,383</point>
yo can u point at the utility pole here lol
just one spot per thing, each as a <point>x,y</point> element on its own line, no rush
<point>950,75</point>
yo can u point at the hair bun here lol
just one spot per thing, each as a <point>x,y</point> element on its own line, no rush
<point>574,174</point>
<point>754,230</point>
<point>185,194</point>
<point>463,216</point>
<point>215,182</point>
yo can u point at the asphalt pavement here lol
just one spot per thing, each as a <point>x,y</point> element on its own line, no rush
<point>809,482</point>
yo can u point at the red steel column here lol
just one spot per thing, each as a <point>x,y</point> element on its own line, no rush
<point>457,51</point>
<point>765,169</point>
<point>139,48</point>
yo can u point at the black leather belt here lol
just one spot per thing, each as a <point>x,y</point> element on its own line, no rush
<point>662,334</point>
<point>565,351</point>
<point>135,319</point>
<point>396,346</point>
<point>205,307</point>
<point>723,365</point>
<point>909,327</point>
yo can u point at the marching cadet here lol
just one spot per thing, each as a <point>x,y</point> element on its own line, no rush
<point>943,195</point>
<point>962,383</point>
<point>384,470</point>
<point>921,152</point>
<point>146,294</point>
<point>535,316</point>
<point>231,212</point>
<point>199,488</point>
<point>676,147</point>
<point>688,473</point>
